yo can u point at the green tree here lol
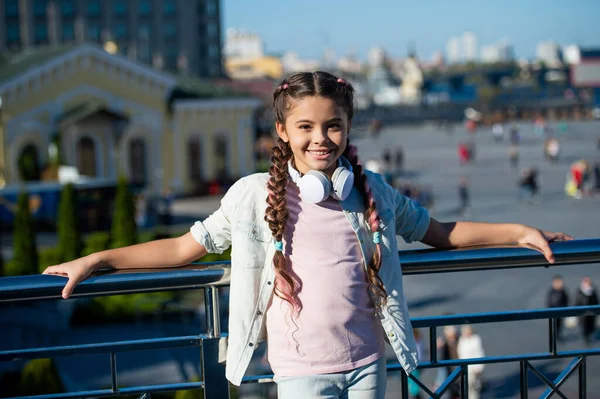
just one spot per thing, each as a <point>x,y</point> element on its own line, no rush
<point>123,229</point>
<point>40,377</point>
<point>25,258</point>
<point>70,241</point>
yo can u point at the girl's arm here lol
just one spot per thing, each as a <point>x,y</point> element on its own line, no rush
<point>462,234</point>
<point>169,252</point>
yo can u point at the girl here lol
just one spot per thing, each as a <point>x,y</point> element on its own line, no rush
<point>314,262</point>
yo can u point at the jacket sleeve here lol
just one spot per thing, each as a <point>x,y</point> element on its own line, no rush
<point>412,221</point>
<point>214,233</point>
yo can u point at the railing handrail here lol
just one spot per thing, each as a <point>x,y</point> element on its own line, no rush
<point>198,275</point>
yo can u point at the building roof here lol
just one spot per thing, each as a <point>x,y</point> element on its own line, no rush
<point>15,64</point>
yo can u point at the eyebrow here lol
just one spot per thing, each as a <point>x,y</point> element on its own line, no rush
<point>336,119</point>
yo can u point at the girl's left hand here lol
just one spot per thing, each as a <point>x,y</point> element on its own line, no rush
<point>540,240</point>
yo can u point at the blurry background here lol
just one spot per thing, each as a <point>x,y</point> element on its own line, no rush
<point>123,121</point>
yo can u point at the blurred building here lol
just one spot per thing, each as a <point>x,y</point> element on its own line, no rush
<point>453,53</point>
<point>245,58</point>
<point>549,53</point>
<point>179,35</point>
<point>498,52</point>
<point>469,47</point>
<point>571,54</point>
<point>112,116</point>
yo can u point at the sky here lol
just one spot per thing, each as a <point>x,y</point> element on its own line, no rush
<point>309,26</point>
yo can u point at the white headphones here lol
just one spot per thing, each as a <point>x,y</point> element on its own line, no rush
<point>315,186</point>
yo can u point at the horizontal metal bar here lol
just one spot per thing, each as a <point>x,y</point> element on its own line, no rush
<point>121,391</point>
<point>112,282</point>
<point>498,317</point>
<point>199,275</point>
<point>425,261</point>
<point>105,347</point>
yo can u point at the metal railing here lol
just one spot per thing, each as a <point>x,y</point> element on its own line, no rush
<point>214,275</point>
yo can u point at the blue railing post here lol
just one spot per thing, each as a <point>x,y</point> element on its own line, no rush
<point>216,385</point>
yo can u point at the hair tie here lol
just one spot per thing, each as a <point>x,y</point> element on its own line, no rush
<point>278,246</point>
<point>342,81</point>
<point>285,86</point>
<point>376,237</point>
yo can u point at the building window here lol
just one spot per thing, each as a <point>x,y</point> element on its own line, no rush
<point>94,8</point>
<point>120,8</point>
<point>11,8</point>
<point>171,58</point>
<point>213,51</point>
<point>41,33</point>
<point>211,8</point>
<point>95,32</point>
<point>68,32</point>
<point>170,30</point>
<point>39,8</point>
<point>145,8</point>
<point>169,8</point>
<point>67,8</point>
<point>212,30</point>
<point>13,33</point>
<point>121,31</point>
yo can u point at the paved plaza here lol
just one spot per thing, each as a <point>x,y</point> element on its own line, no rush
<point>431,158</point>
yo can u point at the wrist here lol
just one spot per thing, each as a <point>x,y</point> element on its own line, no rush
<point>97,261</point>
<point>518,232</point>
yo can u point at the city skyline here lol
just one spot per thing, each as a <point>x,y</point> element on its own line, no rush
<point>524,25</point>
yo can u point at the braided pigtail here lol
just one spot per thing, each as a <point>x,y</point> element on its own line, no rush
<point>276,216</point>
<point>372,218</point>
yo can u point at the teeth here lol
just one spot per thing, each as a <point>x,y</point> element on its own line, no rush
<point>319,152</point>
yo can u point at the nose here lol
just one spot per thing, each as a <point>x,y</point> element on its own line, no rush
<point>320,135</point>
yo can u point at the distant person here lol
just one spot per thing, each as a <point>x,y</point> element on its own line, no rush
<point>552,150</point>
<point>557,298</point>
<point>399,159</point>
<point>498,131</point>
<point>469,347</point>
<point>448,350</point>
<point>513,156</point>
<point>514,134</point>
<point>529,187</point>
<point>587,296</point>
<point>464,195</point>
<point>463,153</point>
<point>597,176</point>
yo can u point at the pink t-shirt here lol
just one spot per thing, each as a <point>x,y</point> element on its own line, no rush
<point>337,329</point>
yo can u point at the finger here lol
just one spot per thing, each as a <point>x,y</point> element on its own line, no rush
<point>545,249</point>
<point>69,287</point>
<point>50,270</point>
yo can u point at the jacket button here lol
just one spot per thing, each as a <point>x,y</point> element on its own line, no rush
<point>250,344</point>
<point>391,335</point>
<point>259,313</point>
<point>269,283</point>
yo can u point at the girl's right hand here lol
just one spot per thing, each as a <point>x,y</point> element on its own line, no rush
<point>76,270</point>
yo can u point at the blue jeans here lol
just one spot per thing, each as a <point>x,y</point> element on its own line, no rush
<point>367,382</point>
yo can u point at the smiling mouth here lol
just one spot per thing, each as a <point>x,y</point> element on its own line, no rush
<point>319,153</point>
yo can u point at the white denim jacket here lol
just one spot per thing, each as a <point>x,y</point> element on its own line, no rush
<point>239,222</point>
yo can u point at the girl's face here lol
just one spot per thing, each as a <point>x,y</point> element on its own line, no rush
<point>317,130</point>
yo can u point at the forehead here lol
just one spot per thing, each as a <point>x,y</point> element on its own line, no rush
<point>315,108</point>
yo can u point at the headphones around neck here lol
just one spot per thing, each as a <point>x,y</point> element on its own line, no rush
<point>316,187</point>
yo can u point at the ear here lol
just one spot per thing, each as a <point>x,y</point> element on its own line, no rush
<point>281,131</point>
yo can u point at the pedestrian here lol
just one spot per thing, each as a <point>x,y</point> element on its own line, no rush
<point>557,298</point>
<point>529,185</point>
<point>448,350</point>
<point>464,195</point>
<point>513,156</point>
<point>587,296</point>
<point>314,270</point>
<point>470,347</point>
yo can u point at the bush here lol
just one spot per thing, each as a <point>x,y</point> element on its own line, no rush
<point>49,257</point>
<point>25,256</point>
<point>123,229</point>
<point>39,377</point>
<point>96,242</point>
<point>69,235</point>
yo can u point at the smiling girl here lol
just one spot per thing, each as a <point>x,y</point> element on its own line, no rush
<point>314,266</point>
